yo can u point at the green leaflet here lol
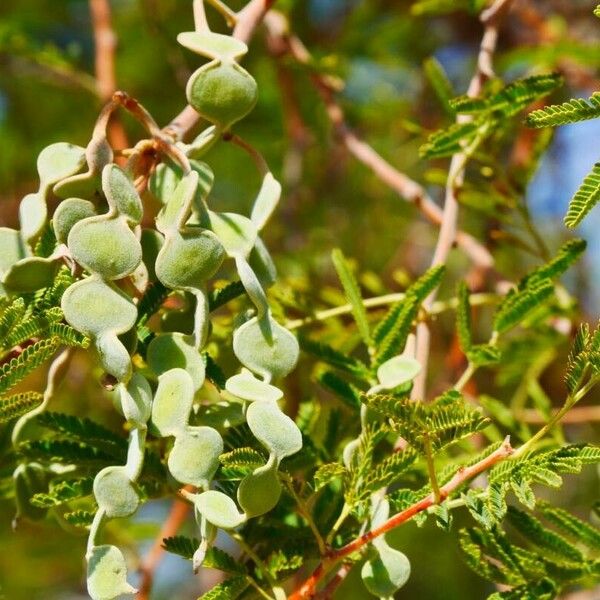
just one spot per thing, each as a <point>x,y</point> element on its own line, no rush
<point>577,109</point>
<point>352,292</point>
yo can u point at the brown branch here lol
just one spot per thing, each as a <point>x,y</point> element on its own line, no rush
<point>105,43</point>
<point>456,173</point>
<point>282,43</point>
<point>247,20</point>
<point>178,514</point>
<point>307,589</point>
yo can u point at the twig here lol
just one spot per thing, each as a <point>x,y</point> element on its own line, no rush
<point>335,582</point>
<point>177,515</point>
<point>281,42</point>
<point>307,589</point>
<point>448,228</point>
<point>105,43</point>
<point>379,301</point>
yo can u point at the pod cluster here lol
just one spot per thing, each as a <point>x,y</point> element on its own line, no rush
<point>99,234</point>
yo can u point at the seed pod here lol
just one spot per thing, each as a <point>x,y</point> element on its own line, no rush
<point>274,359</point>
<point>136,400</point>
<point>107,573</point>
<point>236,232</point>
<point>397,370</point>
<point>262,264</point>
<point>173,401</point>
<point>105,245</point>
<point>222,93</point>
<point>69,212</point>
<point>189,259</point>
<point>176,351</point>
<point>266,201</point>
<point>58,161</point>
<point>33,213</point>
<point>94,308</point>
<point>247,387</point>
<point>30,274</point>
<point>219,509</point>
<point>114,492</point>
<point>259,492</point>
<point>385,572</point>
<point>194,458</point>
<point>274,429</point>
<point>121,194</point>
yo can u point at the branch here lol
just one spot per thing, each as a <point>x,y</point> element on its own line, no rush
<point>281,42</point>
<point>456,173</point>
<point>247,20</point>
<point>307,589</point>
<point>105,44</point>
<point>177,515</point>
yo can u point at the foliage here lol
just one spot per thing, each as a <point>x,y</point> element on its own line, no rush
<point>149,351</point>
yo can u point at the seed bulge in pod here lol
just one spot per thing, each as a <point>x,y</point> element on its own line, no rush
<point>107,574</point>
<point>222,93</point>
<point>194,458</point>
<point>259,491</point>
<point>115,493</point>
<point>69,212</point>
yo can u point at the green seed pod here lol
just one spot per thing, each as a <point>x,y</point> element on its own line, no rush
<point>115,493</point>
<point>176,350</point>
<point>397,370</point>
<point>246,386</point>
<point>105,245</point>
<point>219,509</point>
<point>163,181</point>
<point>222,93</point>
<point>121,194</point>
<point>94,308</point>
<point>29,479</point>
<point>262,264</point>
<point>86,185</point>
<point>259,492</point>
<point>274,429</point>
<point>194,458</point>
<point>188,259</point>
<point>102,311</point>
<point>213,45</point>
<point>254,289</point>
<point>385,572</point>
<point>236,232</point>
<point>30,274</point>
<point>173,401</point>
<point>274,359</point>
<point>12,248</point>
<point>176,210</point>
<point>33,214</point>
<point>69,212</point>
<point>107,573</point>
<point>136,400</point>
<point>58,161</point>
<point>266,201</point>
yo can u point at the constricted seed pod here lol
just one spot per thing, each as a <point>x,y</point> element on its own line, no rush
<point>222,92</point>
<point>69,212</point>
<point>194,458</point>
<point>173,401</point>
<point>114,492</point>
<point>259,492</point>
<point>274,429</point>
<point>107,573</point>
<point>176,350</point>
<point>270,359</point>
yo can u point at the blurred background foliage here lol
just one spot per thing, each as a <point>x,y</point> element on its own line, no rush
<point>48,93</point>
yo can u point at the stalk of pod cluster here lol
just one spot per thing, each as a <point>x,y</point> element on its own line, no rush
<point>97,225</point>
